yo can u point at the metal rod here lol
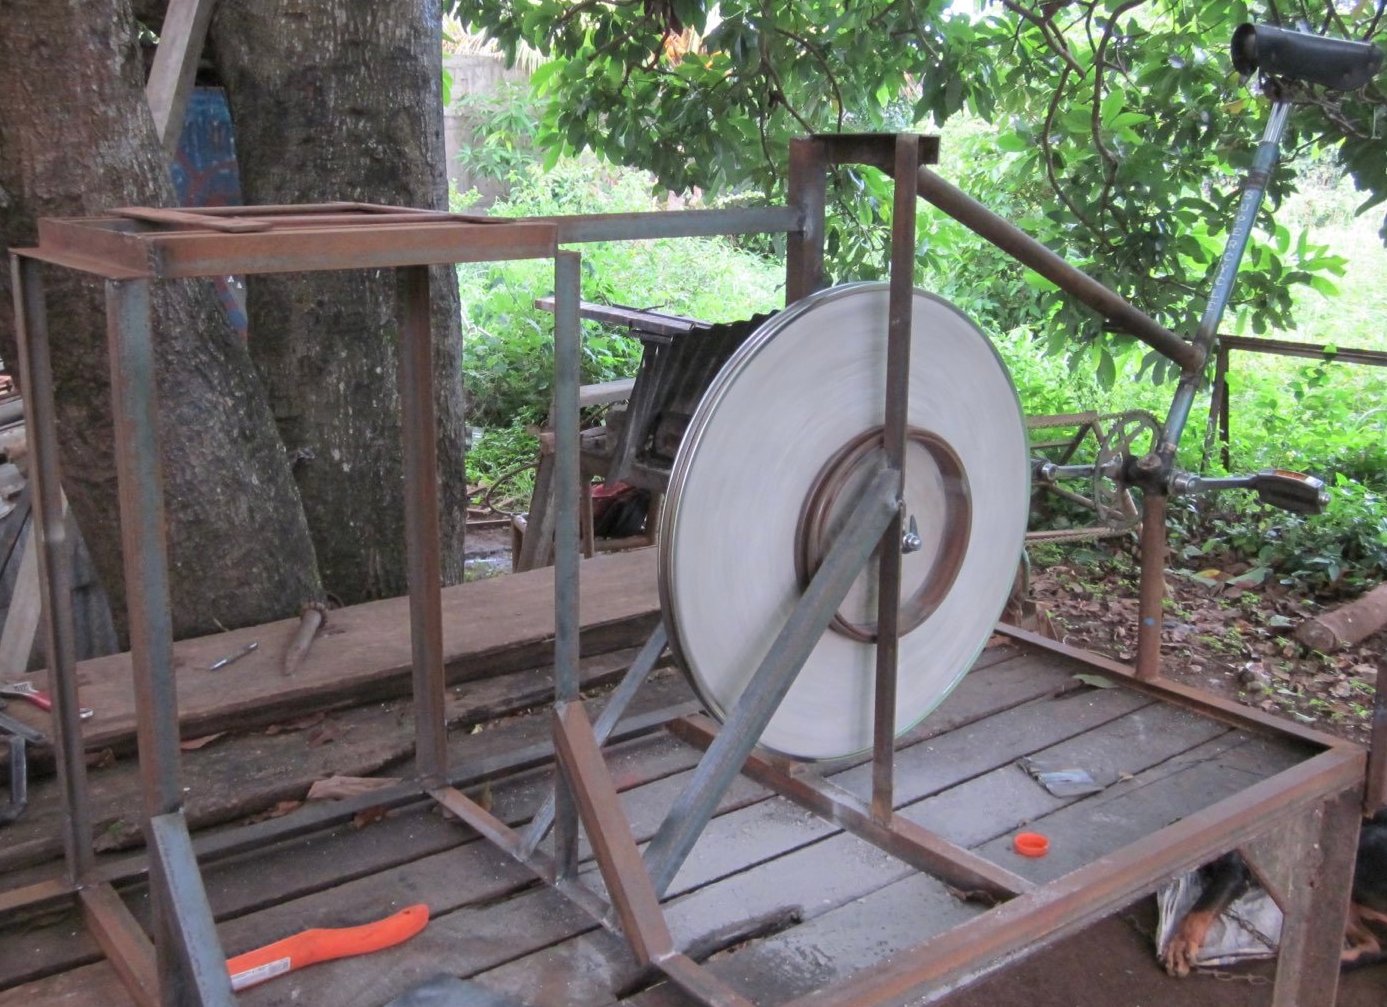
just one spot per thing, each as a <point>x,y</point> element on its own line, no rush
<point>1152,599</point>
<point>144,554</point>
<point>1254,186</point>
<point>1021,246</point>
<point>899,836</point>
<point>567,364</point>
<point>420,437</point>
<point>897,391</point>
<point>175,876</point>
<point>606,722</point>
<point>663,224</point>
<point>804,248</point>
<point>568,337</point>
<point>54,560</point>
<point>634,897</point>
<point>692,810</point>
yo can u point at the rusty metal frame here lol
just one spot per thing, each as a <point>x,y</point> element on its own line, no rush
<point>136,247</point>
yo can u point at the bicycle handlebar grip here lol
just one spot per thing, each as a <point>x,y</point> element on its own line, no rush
<point>1337,63</point>
<point>1291,491</point>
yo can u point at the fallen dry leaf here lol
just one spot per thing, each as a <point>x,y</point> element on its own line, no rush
<point>193,744</point>
<point>336,788</point>
<point>369,816</point>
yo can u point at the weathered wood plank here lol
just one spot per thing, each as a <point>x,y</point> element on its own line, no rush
<point>490,627</point>
<point>1081,833</point>
<point>296,868</point>
<point>249,772</point>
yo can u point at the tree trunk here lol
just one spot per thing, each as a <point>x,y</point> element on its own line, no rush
<point>341,101</point>
<point>76,138</point>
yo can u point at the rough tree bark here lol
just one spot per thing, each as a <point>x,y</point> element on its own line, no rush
<point>340,101</point>
<point>76,138</point>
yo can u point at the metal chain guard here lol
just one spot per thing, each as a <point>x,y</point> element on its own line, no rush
<point>803,388</point>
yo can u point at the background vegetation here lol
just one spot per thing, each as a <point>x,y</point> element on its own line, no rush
<point>1152,228</point>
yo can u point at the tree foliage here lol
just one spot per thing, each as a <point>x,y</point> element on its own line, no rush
<point>1124,124</point>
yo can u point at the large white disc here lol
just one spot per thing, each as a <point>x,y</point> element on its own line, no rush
<point>784,411</point>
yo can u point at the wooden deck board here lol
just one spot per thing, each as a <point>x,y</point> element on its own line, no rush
<point>802,902</point>
<point>490,627</point>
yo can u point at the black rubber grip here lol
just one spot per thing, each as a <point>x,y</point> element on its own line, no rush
<point>1336,63</point>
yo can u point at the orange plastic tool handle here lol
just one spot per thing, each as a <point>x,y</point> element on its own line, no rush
<point>322,945</point>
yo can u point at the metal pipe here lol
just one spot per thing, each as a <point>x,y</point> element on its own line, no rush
<point>54,561</point>
<point>1254,186</point>
<point>1021,246</point>
<point>419,434</point>
<point>1152,599</point>
<point>875,508</point>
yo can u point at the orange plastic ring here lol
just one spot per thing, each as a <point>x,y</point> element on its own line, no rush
<point>1031,844</point>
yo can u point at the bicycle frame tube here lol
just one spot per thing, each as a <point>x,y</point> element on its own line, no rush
<point>1254,187</point>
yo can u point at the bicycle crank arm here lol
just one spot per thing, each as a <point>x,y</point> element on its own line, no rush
<point>1290,491</point>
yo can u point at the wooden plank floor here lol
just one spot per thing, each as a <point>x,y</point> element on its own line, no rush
<point>491,627</point>
<point>775,900</point>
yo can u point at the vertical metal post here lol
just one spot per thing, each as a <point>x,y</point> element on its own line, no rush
<point>54,559</point>
<point>804,250</point>
<point>901,294</point>
<point>567,363</point>
<point>144,554</point>
<point>1225,408</point>
<point>1152,598</point>
<point>420,436</point>
<point>1375,791</point>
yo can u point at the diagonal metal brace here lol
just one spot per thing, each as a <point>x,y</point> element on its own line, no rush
<point>686,820</point>
<point>616,706</point>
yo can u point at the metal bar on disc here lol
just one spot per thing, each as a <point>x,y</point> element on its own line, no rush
<point>672,224</point>
<point>607,720</point>
<point>199,952</point>
<point>898,836</point>
<point>1152,598</point>
<point>633,894</point>
<point>938,966</point>
<point>804,248</point>
<point>54,551</point>
<point>874,509</point>
<point>1022,247</point>
<point>122,940</point>
<point>420,435</point>
<point>901,293</point>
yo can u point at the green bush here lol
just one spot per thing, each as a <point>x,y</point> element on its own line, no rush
<point>508,342</point>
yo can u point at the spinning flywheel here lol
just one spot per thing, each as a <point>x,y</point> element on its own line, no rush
<point>787,436</point>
